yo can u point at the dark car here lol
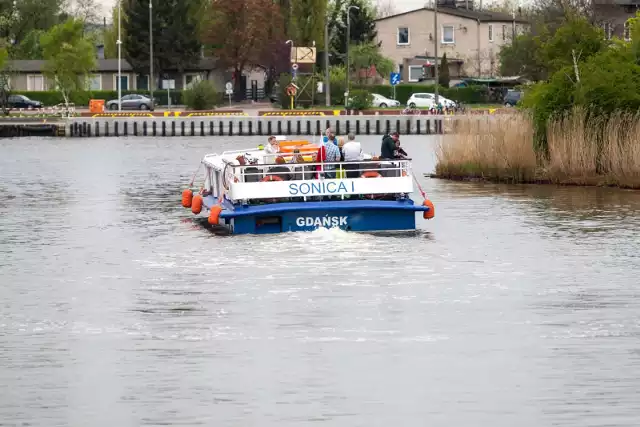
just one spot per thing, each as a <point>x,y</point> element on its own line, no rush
<point>512,98</point>
<point>21,101</point>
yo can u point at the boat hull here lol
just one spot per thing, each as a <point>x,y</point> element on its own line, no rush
<point>348,215</point>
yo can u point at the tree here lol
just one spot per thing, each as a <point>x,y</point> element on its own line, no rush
<point>385,8</point>
<point>362,22</point>
<point>307,22</point>
<point>86,10</point>
<point>176,42</point>
<point>30,47</point>
<point>443,72</point>
<point>364,56</point>
<point>33,15</point>
<point>69,57</point>
<point>5,87</point>
<point>239,35</point>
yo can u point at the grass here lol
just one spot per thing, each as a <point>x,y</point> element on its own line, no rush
<point>604,151</point>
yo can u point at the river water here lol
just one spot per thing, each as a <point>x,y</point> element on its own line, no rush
<point>515,306</point>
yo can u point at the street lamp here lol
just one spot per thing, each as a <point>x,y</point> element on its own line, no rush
<point>348,40</point>
<point>151,79</point>
<point>435,47</point>
<point>119,43</point>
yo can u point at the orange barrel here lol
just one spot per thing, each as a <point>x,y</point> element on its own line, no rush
<point>431,212</point>
<point>187,196</point>
<point>214,215</point>
<point>96,106</point>
<point>196,204</point>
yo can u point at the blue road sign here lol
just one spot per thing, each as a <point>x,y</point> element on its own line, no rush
<point>394,78</point>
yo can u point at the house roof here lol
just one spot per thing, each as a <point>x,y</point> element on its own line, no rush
<point>36,66</point>
<point>476,15</point>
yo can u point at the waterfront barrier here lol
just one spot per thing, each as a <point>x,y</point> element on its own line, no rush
<point>247,126</point>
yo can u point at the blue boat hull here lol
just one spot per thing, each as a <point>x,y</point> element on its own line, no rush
<point>348,215</point>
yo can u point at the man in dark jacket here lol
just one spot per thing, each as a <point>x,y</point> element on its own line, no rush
<point>388,145</point>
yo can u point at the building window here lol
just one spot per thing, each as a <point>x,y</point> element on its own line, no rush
<point>447,34</point>
<point>403,35</point>
<point>94,82</point>
<point>142,82</point>
<point>504,32</point>
<point>124,82</point>
<point>415,73</point>
<point>627,32</point>
<point>490,32</point>
<point>190,80</point>
<point>35,82</point>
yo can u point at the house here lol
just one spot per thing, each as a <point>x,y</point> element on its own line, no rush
<point>26,75</point>
<point>470,38</point>
<point>614,15</point>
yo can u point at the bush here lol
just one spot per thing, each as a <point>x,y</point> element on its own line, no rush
<point>467,95</point>
<point>202,96</point>
<point>360,99</point>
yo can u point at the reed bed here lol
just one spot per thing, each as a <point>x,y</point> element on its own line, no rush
<point>581,151</point>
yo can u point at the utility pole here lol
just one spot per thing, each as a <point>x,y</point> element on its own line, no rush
<point>348,42</point>
<point>151,79</point>
<point>327,83</point>
<point>119,43</point>
<point>435,43</point>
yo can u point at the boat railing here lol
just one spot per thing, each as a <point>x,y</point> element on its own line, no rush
<point>260,173</point>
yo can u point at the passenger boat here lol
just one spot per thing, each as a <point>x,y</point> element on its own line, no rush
<point>253,192</point>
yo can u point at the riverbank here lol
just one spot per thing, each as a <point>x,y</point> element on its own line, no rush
<point>602,152</point>
<point>216,125</point>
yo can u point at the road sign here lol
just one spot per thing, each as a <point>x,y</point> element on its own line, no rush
<point>229,86</point>
<point>169,84</point>
<point>303,55</point>
<point>394,78</point>
<point>229,91</point>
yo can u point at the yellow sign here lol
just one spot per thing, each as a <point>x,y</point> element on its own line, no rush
<point>294,113</point>
<point>122,115</point>
<point>303,55</point>
<point>215,114</point>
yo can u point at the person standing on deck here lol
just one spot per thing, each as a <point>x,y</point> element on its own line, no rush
<point>352,152</point>
<point>328,152</point>
<point>388,147</point>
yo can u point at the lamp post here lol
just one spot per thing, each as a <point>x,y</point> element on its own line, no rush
<point>327,89</point>
<point>435,43</point>
<point>119,43</point>
<point>151,79</point>
<point>347,41</point>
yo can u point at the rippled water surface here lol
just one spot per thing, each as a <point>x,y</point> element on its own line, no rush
<point>515,306</point>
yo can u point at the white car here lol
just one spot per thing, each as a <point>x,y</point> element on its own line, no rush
<point>383,102</point>
<point>428,100</point>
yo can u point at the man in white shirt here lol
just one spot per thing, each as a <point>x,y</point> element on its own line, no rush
<point>271,149</point>
<point>352,152</point>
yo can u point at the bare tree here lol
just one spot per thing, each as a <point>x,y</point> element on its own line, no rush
<point>86,10</point>
<point>386,8</point>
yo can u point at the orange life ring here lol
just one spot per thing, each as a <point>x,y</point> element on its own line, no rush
<point>187,195</point>
<point>371,174</point>
<point>214,215</point>
<point>196,204</point>
<point>270,178</point>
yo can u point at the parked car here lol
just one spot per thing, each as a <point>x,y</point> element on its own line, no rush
<point>21,101</point>
<point>384,102</point>
<point>512,98</point>
<point>427,100</point>
<point>131,102</point>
